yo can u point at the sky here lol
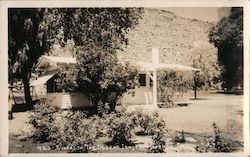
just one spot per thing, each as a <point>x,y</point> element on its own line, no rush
<point>211,14</point>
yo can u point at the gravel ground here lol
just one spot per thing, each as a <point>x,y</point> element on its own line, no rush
<point>225,110</point>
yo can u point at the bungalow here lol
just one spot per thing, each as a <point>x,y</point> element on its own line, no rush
<point>145,94</point>
<point>56,96</point>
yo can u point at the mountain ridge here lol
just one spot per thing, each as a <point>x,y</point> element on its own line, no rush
<point>176,37</point>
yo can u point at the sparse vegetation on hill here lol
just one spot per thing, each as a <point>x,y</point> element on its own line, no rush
<point>176,37</point>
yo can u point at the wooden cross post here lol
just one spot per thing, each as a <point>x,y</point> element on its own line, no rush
<point>155,60</point>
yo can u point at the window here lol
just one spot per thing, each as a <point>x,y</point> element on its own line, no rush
<point>51,85</point>
<point>142,79</point>
<point>54,84</point>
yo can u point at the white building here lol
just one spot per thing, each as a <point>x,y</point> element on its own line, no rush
<point>146,94</point>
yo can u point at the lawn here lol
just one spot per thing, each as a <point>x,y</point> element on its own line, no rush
<point>195,120</point>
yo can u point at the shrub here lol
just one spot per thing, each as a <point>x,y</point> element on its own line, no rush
<point>73,130</point>
<point>159,143</point>
<point>180,138</point>
<point>70,130</point>
<point>143,121</point>
<point>76,132</point>
<point>102,109</point>
<point>146,123</point>
<point>217,143</point>
<point>171,82</point>
<point>42,120</point>
<point>159,136</point>
<point>120,128</point>
<point>152,125</point>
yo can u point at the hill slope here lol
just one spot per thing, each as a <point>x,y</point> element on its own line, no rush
<point>176,37</point>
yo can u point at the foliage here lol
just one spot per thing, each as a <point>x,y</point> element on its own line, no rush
<point>73,130</point>
<point>26,44</point>
<point>67,129</point>
<point>173,82</point>
<point>102,78</point>
<point>206,60</point>
<point>77,132</point>
<point>122,125</point>
<point>98,33</point>
<point>158,143</point>
<point>120,128</point>
<point>147,123</point>
<point>43,120</point>
<point>217,143</point>
<point>227,36</point>
<point>159,136</point>
<point>170,82</point>
<point>153,125</point>
<point>180,138</point>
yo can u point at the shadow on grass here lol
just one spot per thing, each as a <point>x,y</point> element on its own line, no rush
<point>235,92</point>
<point>199,98</point>
<point>24,107</point>
<point>120,144</point>
<point>143,133</point>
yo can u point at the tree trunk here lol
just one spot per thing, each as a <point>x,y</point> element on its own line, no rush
<point>28,98</point>
<point>195,92</point>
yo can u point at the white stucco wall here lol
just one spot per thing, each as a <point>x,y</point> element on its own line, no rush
<point>67,100</point>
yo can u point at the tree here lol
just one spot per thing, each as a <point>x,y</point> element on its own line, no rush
<point>26,43</point>
<point>98,33</point>
<point>103,79</point>
<point>227,36</point>
<point>204,58</point>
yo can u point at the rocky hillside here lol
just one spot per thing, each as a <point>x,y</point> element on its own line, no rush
<point>176,37</point>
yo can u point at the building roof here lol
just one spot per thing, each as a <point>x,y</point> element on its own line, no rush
<point>41,80</point>
<point>151,67</point>
<point>45,61</point>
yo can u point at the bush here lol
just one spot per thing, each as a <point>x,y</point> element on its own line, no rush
<point>76,132</point>
<point>159,136</point>
<point>67,129</point>
<point>42,120</point>
<point>146,123</point>
<point>159,143</point>
<point>122,125</point>
<point>171,82</point>
<point>120,128</point>
<point>152,125</point>
<point>217,143</point>
<point>180,138</point>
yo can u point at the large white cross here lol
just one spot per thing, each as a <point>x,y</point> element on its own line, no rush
<point>155,61</point>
